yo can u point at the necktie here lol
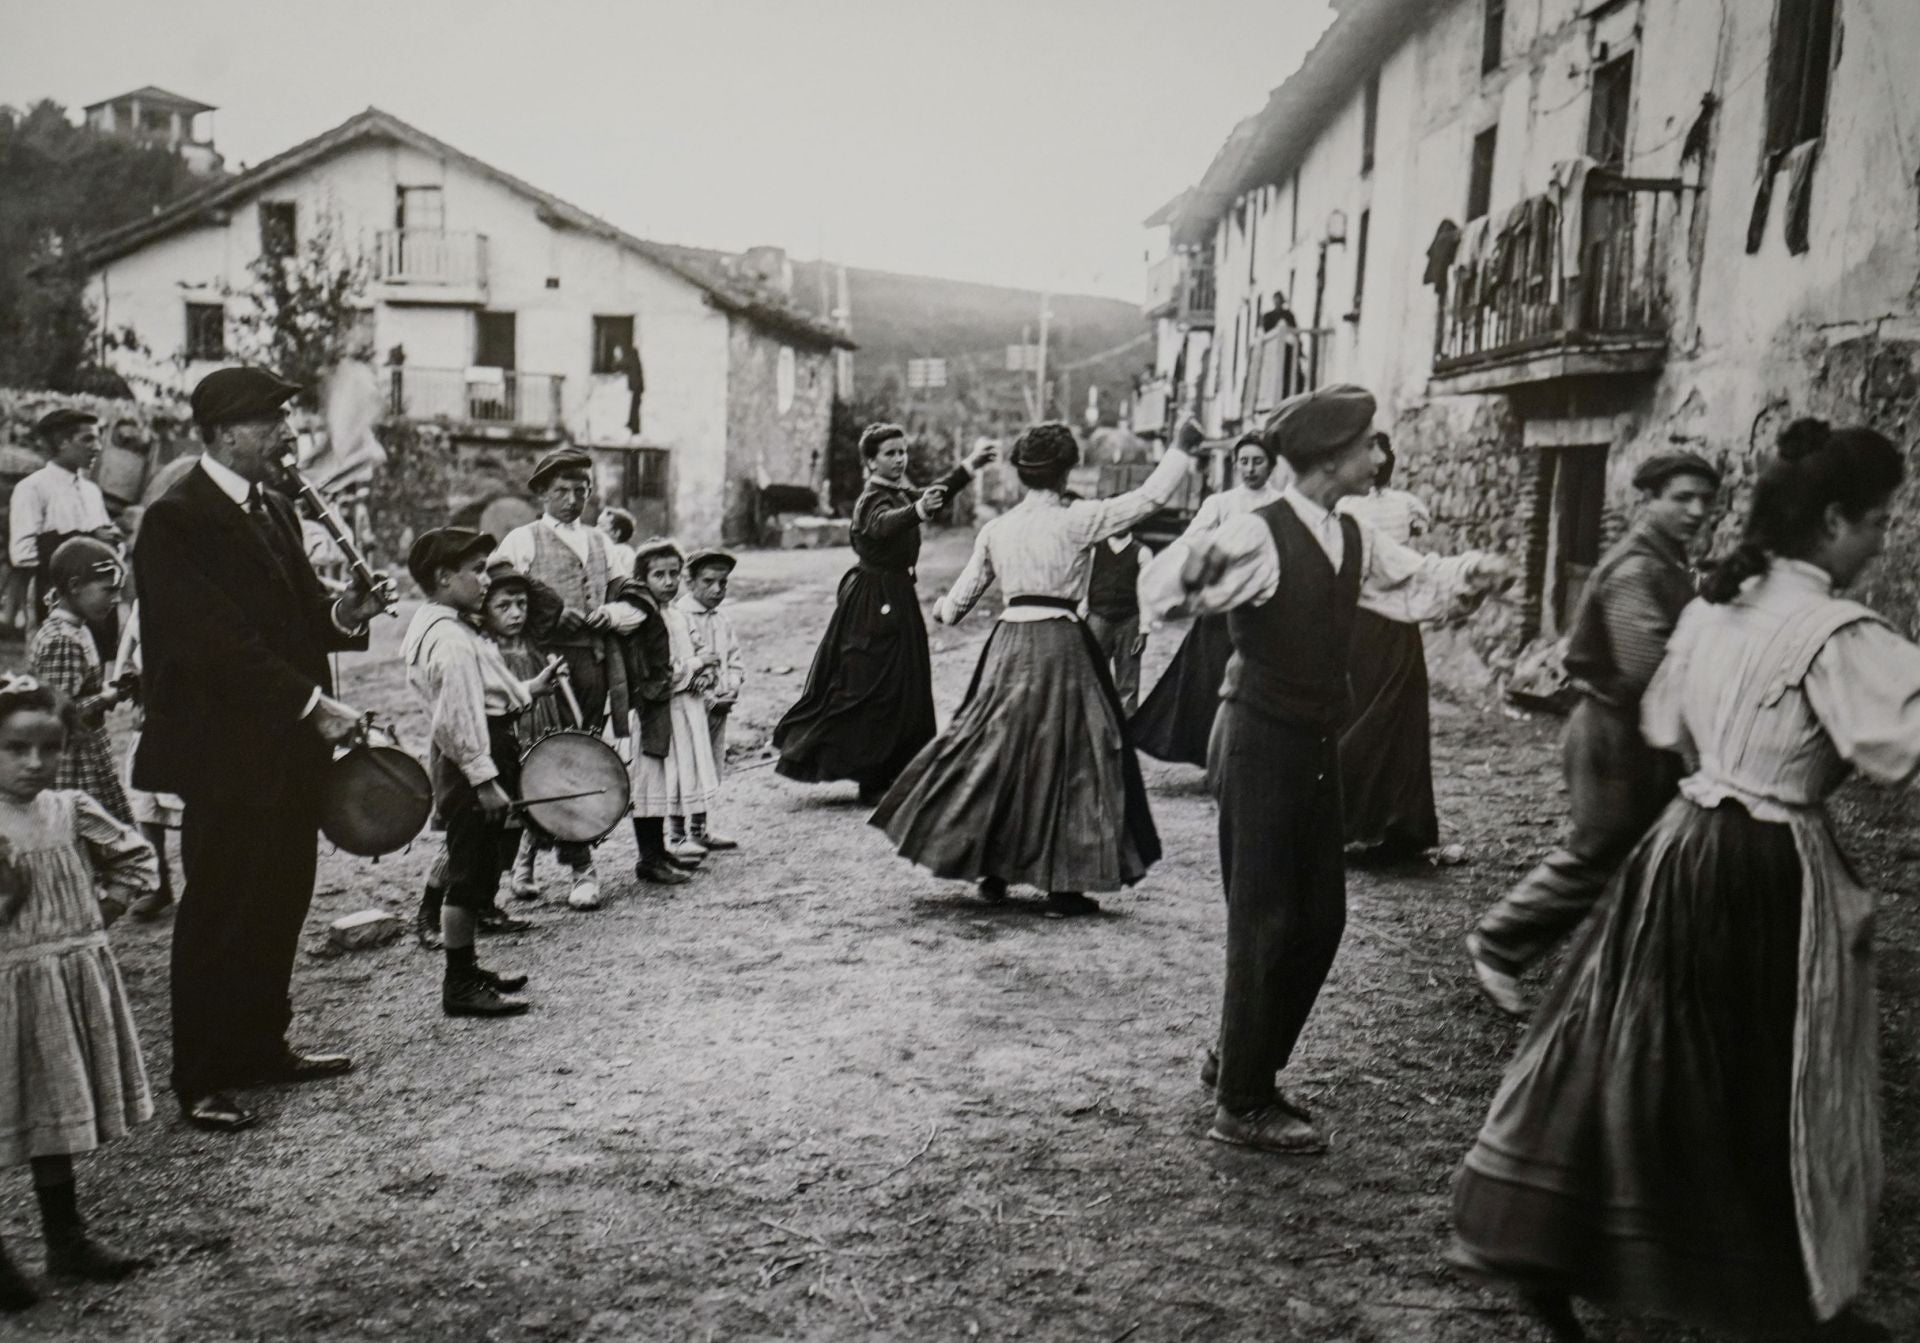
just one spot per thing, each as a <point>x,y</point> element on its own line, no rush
<point>258,515</point>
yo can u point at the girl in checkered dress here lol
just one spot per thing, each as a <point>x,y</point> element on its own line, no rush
<point>84,578</point>
<point>71,1074</point>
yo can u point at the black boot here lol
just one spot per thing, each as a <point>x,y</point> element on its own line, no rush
<point>16,1293</point>
<point>1555,1310</point>
<point>71,1252</point>
<point>467,993</point>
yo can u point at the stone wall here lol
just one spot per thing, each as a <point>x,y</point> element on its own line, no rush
<point>765,443</point>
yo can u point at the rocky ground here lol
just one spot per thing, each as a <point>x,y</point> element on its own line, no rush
<point>817,1094</point>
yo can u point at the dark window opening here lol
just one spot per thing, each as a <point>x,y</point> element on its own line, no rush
<point>612,337</point>
<point>1579,503</point>
<point>494,339</point>
<point>1369,121</point>
<point>646,475</point>
<point>1493,36</point>
<point>420,208</point>
<point>1797,72</point>
<point>1360,261</point>
<point>1608,114</point>
<point>277,232</point>
<point>1293,207</point>
<point>1480,178</point>
<point>206,331</point>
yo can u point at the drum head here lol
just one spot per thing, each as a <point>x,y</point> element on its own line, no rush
<point>562,763</point>
<point>375,800</point>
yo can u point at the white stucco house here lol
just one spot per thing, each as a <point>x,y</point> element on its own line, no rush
<point>502,314</point>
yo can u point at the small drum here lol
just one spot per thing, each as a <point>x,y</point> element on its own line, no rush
<point>573,786</point>
<point>374,800</point>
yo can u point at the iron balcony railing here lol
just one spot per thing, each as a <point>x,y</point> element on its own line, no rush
<point>1537,280</point>
<point>486,396</point>
<point>455,259</point>
<point>1283,362</point>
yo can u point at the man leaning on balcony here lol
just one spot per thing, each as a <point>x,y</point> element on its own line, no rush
<point>573,566</point>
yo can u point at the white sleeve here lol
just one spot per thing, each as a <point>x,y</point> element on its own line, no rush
<point>1864,686</point>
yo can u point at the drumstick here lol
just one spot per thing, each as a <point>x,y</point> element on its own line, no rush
<point>566,689</point>
<point>555,797</point>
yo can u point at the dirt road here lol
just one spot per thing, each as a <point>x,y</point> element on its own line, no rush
<point>817,1094</point>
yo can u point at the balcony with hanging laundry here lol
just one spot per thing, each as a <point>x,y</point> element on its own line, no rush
<point>1572,283</point>
<point>482,401</point>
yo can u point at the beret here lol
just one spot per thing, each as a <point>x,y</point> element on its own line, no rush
<point>1046,448</point>
<point>79,558</point>
<point>229,395</point>
<point>647,553</point>
<point>560,459</point>
<point>710,558</point>
<point>501,575</point>
<point>61,420</point>
<point>1309,428</point>
<point>442,548</point>
<point>1657,470</point>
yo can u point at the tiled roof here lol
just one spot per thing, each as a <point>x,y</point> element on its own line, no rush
<point>724,290</point>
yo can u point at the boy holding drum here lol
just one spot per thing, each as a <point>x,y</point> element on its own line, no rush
<point>473,701</point>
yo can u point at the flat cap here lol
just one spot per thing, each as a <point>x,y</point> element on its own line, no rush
<point>560,459</point>
<point>711,557</point>
<point>443,548</point>
<point>229,395</point>
<point>62,420</point>
<point>79,558</point>
<point>1654,473</point>
<point>501,575</point>
<point>1313,426</point>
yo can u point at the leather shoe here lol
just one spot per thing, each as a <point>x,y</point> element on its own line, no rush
<point>495,921</point>
<point>473,996</point>
<point>500,983</point>
<point>661,871</point>
<point>297,1067</point>
<point>217,1112</point>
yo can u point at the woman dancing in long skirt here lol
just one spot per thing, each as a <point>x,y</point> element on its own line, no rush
<point>1177,718</point>
<point>1690,1128</point>
<point>1034,781</point>
<point>868,703</point>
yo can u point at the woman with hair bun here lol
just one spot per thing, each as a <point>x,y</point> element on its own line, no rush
<point>868,703</point>
<point>1034,781</point>
<point>1690,1128</point>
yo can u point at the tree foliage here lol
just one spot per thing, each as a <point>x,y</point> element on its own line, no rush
<point>60,183</point>
<point>305,312</point>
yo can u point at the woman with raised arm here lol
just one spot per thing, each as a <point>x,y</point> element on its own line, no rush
<point>1034,781</point>
<point>868,703</point>
<point>1177,718</point>
<point>1690,1128</point>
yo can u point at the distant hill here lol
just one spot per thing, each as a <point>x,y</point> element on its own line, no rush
<point>901,317</point>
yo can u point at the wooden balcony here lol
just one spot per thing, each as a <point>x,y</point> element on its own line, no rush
<point>490,402</point>
<point>1152,404</point>
<point>1527,311</point>
<point>1180,286</point>
<point>430,266</point>
<point>1283,362</point>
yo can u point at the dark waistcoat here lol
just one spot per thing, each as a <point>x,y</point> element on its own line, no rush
<point>1290,651</point>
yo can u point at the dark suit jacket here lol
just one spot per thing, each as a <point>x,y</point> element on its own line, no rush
<point>235,633</point>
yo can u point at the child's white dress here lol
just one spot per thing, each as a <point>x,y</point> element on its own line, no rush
<point>71,1075</point>
<point>682,782</point>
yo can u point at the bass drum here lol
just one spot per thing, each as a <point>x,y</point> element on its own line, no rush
<point>375,800</point>
<point>587,780</point>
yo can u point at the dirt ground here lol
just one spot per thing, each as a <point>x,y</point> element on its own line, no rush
<point>817,1094</point>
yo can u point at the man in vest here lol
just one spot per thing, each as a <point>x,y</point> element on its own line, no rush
<point>1113,611</point>
<point>1289,575</point>
<point>1616,783</point>
<point>573,566</point>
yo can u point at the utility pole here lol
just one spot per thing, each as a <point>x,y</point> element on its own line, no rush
<point>1040,369</point>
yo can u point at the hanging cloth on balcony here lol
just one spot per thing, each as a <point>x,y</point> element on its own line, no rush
<point>1763,201</point>
<point>1799,168</point>
<point>1440,252</point>
<point>1569,187</point>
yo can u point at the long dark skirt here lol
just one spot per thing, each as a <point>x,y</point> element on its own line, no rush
<point>1033,781</point>
<point>1386,766</point>
<point>868,704</point>
<point>1176,721</point>
<point>1638,1152</point>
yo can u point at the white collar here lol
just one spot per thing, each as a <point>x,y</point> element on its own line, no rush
<point>1801,574</point>
<point>232,484</point>
<point>1310,513</point>
<point>1118,544</point>
<point>575,526</point>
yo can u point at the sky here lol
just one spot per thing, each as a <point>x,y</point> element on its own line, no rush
<point>1015,142</point>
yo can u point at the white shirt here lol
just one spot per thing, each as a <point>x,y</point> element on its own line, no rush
<point>464,680</point>
<point>52,499</point>
<point>1395,581</point>
<point>1392,513</point>
<point>1039,546</point>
